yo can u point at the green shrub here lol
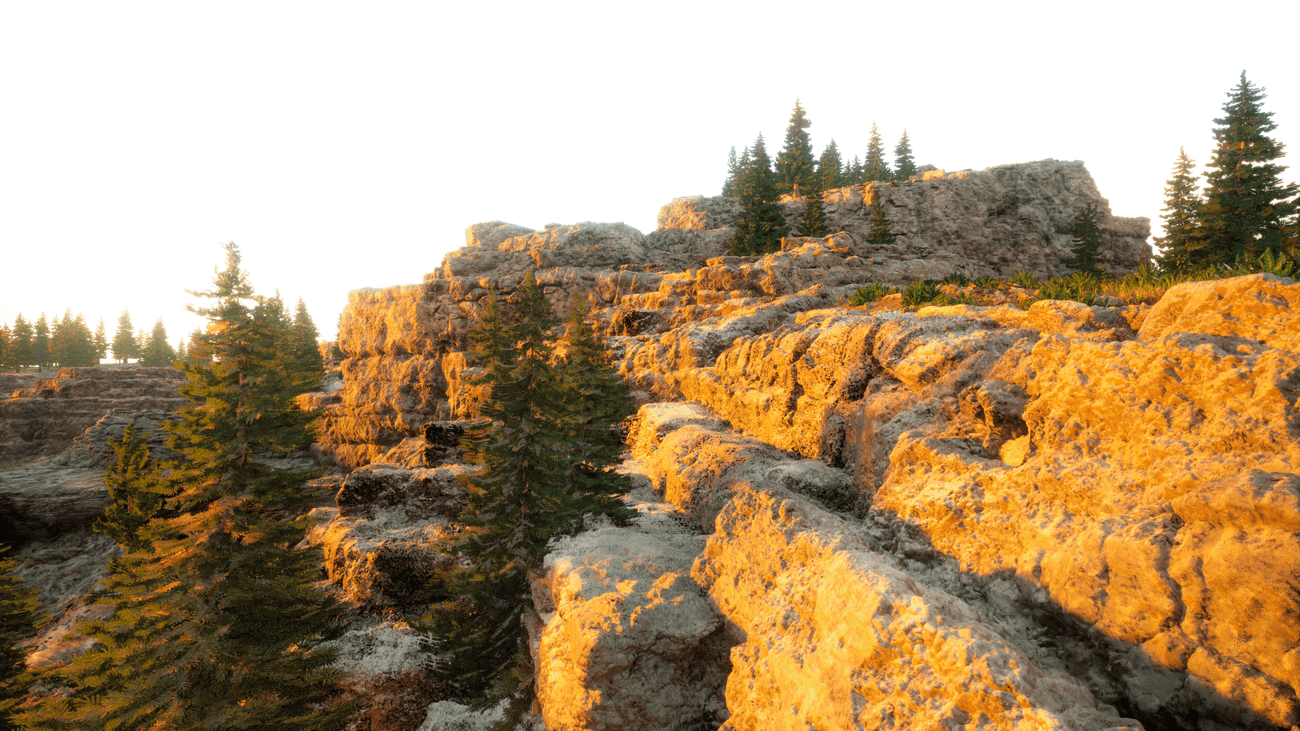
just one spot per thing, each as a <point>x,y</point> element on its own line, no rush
<point>870,293</point>
<point>919,292</point>
<point>985,282</point>
<point>1024,278</point>
<point>956,278</point>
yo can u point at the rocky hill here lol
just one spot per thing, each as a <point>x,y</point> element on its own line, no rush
<point>1059,517</point>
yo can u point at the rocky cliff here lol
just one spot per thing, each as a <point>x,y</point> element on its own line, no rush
<point>1059,517</point>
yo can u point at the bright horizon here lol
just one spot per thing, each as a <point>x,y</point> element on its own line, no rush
<point>343,149</point>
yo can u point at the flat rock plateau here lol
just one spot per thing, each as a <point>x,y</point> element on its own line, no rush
<point>960,517</point>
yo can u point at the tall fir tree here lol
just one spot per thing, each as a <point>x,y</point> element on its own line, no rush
<point>830,168</point>
<point>303,351</point>
<point>41,343</point>
<point>1086,243</point>
<point>730,186</point>
<point>215,620</point>
<point>1182,243</point>
<point>136,489</point>
<point>21,342</point>
<point>856,171</point>
<point>879,234</point>
<point>596,403</point>
<point>157,352</point>
<point>1247,206</point>
<point>795,165</point>
<point>124,344</point>
<point>6,347</point>
<point>814,212</point>
<point>101,342</point>
<point>761,224</point>
<point>874,168</point>
<point>71,343</point>
<point>19,621</point>
<point>904,165</point>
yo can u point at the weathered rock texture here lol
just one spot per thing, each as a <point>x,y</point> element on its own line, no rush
<point>399,342</point>
<point>1058,517</point>
<point>40,421</point>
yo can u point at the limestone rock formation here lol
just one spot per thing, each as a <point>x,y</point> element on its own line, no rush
<point>41,420</point>
<point>1062,516</point>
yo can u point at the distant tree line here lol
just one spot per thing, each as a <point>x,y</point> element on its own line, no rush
<point>758,182</point>
<point>69,341</point>
<point>1246,214</point>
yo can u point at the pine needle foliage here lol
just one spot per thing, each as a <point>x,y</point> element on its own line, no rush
<point>1182,243</point>
<point>215,616</point>
<point>19,621</point>
<point>814,212</point>
<point>874,168</point>
<point>1247,206</point>
<point>904,165</point>
<point>795,165</point>
<point>761,225</point>
<point>137,490</point>
<point>1086,243</point>
<point>547,443</point>
<point>879,234</point>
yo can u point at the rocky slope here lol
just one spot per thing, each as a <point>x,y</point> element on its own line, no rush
<point>42,419</point>
<point>1059,517</point>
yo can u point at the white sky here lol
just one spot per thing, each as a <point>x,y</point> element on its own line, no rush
<point>345,146</point>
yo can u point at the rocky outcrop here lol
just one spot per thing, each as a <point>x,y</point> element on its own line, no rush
<point>42,420</point>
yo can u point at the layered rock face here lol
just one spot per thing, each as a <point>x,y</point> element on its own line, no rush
<point>1057,517</point>
<point>43,419</point>
<point>397,341</point>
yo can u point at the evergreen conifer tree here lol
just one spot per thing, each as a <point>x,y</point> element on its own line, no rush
<point>124,345</point>
<point>814,212</point>
<point>1182,243</point>
<point>830,168</point>
<point>761,224</point>
<point>1087,242</point>
<point>21,343</point>
<point>795,165</point>
<point>6,347</point>
<point>874,168</point>
<point>157,352</point>
<point>19,621</point>
<point>856,172</point>
<point>596,403</point>
<point>216,619</point>
<point>730,187</point>
<point>904,165</point>
<point>136,488</point>
<point>41,343</point>
<point>879,234</point>
<point>1247,206</point>
<point>101,342</point>
<point>303,351</point>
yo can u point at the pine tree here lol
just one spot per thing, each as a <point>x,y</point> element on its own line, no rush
<point>21,342</point>
<point>596,404</point>
<point>830,168</point>
<point>814,212</point>
<point>761,224</point>
<point>879,234</point>
<point>101,342</point>
<point>795,166</point>
<point>41,343</point>
<point>1087,242</point>
<point>6,347</point>
<point>547,442</point>
<point>904,165</point>
<point>730,185</point>
<point>124,345</point>
<point>157,352</point>
<point>874,168</point>
<point>216,619</point>
<point>303,351</point>
<point>1182,243</point>
<point>856,172</point>
<point>70,341</point>
<point>136,489</point>
<point>19,621</point>
<point>1246,204</point>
